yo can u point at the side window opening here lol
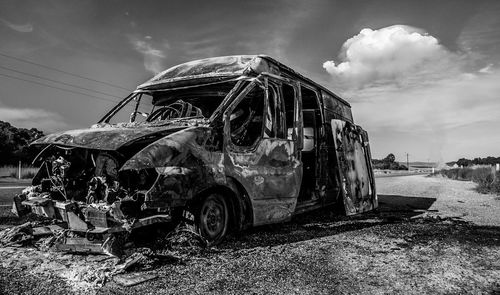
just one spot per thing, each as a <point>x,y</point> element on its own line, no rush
<point>275,116</point>
<point>310,110</point>
<point>246,119</point>
<point>289,102</point>
<point>309,99</point>
<point>311,123</point>
<point>270,126</point>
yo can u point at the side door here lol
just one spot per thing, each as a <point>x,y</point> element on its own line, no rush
<point>258,154</point>
<point>354,162</point>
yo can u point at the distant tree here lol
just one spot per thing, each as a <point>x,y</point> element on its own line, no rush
<point>490,161</point>
<point>390,158</point>
<point>14,143</point>
<point>388,163</point>
<point>464,162</point>
<point>477,161</point>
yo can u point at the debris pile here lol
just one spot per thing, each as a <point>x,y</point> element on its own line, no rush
<point>16,236</point>
<point>125,264</point>
<point>41,234</point>
<point>185,240</point>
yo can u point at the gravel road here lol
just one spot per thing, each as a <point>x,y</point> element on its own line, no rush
<point>430,236</point>
<point>450,197</point>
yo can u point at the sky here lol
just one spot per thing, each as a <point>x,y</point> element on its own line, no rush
<point>423,77</point>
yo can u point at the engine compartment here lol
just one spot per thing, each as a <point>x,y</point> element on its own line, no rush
<point>91,184</point>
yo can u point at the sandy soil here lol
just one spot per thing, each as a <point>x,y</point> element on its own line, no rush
<point>431,236</point>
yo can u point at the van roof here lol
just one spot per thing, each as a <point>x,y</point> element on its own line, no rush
<point>219,69</point>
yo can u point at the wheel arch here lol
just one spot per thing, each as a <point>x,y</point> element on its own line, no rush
<point>239,204</point>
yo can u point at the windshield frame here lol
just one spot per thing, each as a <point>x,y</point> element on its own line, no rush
<point>241,84</point>
<point>106,118</point>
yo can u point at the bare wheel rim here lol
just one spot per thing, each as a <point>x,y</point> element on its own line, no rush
<point>213,217</point>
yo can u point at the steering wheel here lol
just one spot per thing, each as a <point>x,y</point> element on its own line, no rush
<point>164,113</point>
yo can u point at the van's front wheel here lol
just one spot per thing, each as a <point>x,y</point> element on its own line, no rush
<point>213,218</point>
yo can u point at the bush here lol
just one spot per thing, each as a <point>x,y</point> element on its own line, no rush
<point>490,187</point>
<point>488,181</point>
<point>465,174</point>
<point>458,173</point>
<point>24,175</point>
<point>27,172</point>
<point>451,173</point>
<point>14,144</point>
<point>483,175</point>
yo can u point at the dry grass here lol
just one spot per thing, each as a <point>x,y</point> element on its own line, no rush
<point>27,172</point>
<point>488,181</point>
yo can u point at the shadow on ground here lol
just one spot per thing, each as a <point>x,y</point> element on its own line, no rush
<point>404,205</point>
<point>326,222</point>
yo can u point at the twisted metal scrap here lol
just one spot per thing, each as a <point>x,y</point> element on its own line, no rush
<point>17,235</point>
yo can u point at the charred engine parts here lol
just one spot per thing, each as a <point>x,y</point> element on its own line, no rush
<point>88,194</point>
<point>88,176</point>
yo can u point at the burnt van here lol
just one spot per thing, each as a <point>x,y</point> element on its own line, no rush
<point>225,143</point>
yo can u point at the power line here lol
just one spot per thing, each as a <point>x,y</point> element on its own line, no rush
<point>59,82</point>
<point>61,71</point>
<point>141,107</point>
<point>55,87</point>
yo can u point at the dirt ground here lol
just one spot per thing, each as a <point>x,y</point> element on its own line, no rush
<point>430,235</point>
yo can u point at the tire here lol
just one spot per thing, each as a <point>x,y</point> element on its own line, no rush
<point>212,218</point>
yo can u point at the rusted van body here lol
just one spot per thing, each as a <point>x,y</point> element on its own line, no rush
<point>225,142</point>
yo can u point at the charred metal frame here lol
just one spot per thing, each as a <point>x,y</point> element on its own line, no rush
<point>192,158</point>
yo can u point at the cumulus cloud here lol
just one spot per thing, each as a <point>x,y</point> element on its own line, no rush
<point>153,57</point>
<point>21,28</point>
<point>414,95</point>
<point>29,118</point>
<point>395,54</point>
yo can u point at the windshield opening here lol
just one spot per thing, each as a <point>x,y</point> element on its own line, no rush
<point>161,105</point>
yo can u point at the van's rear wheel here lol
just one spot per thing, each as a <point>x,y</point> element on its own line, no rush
<point>213,218</point>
